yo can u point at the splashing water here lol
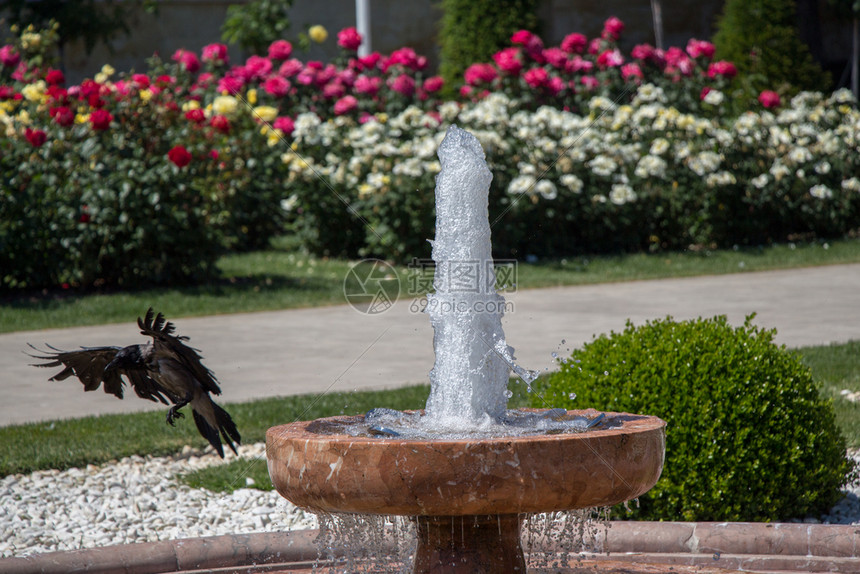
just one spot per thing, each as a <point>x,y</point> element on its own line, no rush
<point>470,375</point>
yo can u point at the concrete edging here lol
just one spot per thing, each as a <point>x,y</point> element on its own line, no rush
<point>751,547</point>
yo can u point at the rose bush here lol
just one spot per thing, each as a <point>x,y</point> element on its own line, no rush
<point>146,177</point>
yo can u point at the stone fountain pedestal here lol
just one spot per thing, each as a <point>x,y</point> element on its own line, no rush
<point>466,496</point>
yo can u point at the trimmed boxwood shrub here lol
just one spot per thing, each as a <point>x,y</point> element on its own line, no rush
<point>748,437</point>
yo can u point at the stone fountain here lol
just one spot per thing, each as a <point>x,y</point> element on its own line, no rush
<point>466,469</point>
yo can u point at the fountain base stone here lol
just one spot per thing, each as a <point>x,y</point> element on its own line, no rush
<point>466,495</point>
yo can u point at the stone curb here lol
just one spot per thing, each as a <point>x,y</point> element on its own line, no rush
<point>739,546</point>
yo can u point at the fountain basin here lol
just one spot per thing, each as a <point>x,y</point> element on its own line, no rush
<point>618,461</point>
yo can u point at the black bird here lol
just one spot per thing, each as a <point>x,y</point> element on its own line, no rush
<point>165,369</point>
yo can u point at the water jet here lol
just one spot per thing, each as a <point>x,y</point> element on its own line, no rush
<point>466,478</point>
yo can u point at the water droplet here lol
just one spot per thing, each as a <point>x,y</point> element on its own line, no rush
<point>716,555</point>
<point>571,396</point>
<point>563,341</point>
<point>508,393</point>
<point>554,355</point>
<point>606,373</point>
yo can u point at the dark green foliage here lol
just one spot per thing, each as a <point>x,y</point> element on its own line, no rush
<point>761,38</point>
<point>92,21</point>
<point>473,30</point>
<point>748,436</point>
<point>256,24</point>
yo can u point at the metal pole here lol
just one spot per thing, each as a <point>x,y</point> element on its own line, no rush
<point>362,23</point>
<point>657,14</point>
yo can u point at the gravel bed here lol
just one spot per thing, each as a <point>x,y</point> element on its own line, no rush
<point>139,499</point>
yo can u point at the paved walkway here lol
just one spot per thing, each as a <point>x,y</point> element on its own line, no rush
<point>269,354</point>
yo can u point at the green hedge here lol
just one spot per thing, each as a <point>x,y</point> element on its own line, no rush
<point>748,436</point>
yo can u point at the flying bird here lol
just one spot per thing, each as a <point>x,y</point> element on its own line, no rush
<point>165,369</point>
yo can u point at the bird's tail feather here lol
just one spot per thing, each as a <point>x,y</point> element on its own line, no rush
<point>226,428</point>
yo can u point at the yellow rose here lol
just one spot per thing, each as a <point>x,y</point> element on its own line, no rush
<point>266,113</point>
<point>145,95</point>
<point>190,105</point>
<point>225,105</point>
<point>30,40</point>
<point>34,92</point>
<point>252,97</point>
<point>318,34</point>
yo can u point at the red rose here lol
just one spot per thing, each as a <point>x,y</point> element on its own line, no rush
<point>100,119</point>
<point>220,123</point>
<point>402,84</point>
<point>574,43</point>
<point>197,116</point>
<point>179,156</point>
<point>477,74</point>
<point>216,53</point>
<point>63,115</point>
<point>54,77</point>
<point>36,137</point>
<point>349,39</point>
<point>536,77</point>
<point>187,60</point>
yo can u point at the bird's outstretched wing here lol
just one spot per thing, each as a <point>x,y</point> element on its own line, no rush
<point>88,365</point>
<point>168,345</point>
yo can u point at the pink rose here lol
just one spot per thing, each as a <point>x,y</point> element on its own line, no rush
<point>612,28</point>
<point>290,68</point>
<point>402,84</point>
<point>631,71</point>
<point>554,86</point>
<point>370,61</point>
<point>532,43</point>
<point>769,99</point>
<point>9,57</point>
<point>536,77</point>
<point>367,85</point>
<point>188,60</point>
<point>333,90</point>
<point>285,124</point>
<point>280,50</point>
<point>555,57</point>
<point>574,43</point>
<point>610,59</point>
<point>722,68</point>
<point>345,105</point>
<point>433,84</point>
<point>349,39</point>
<point>215,53</point>
<point>477,74</point>
<point>256,67</point>
<point>590,82</point>
<point>700,48</point>
<point>579,64</point>
<point>508,61</point>
<point>276,86</point>
<point>230,84</point>
<point>405,57</point>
